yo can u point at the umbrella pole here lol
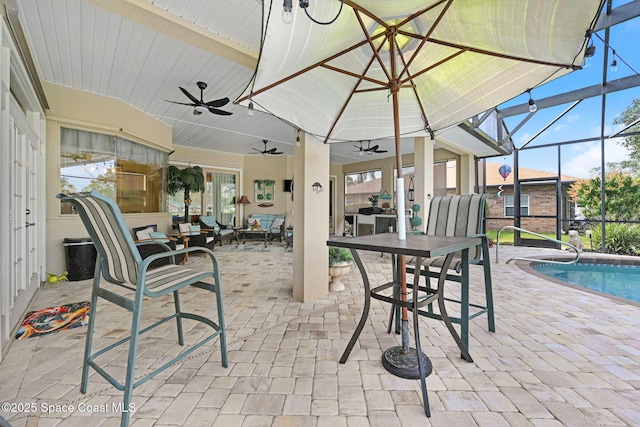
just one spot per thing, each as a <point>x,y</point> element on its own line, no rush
<point>402,231</point>
<point>403,361</point>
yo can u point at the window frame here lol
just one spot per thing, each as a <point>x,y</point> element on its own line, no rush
<point>524,205</point>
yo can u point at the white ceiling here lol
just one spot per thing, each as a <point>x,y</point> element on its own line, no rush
<point>141,51</point>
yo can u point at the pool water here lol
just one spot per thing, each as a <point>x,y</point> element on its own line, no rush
<point>614,279</point>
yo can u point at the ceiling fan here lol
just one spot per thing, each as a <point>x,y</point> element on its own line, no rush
<point>200,106</point>
<point>264,152</point>
<point>369,149</point>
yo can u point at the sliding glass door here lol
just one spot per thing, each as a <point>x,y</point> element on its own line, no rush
<point>219,198</point>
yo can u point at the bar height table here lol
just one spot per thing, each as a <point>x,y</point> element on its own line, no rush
<point>419,246</point>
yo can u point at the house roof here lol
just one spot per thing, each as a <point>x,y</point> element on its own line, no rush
<point>494,178</point>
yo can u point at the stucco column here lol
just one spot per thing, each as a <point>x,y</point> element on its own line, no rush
<point>310,219</point>
<point>467,173</point>
<point>423,179</point>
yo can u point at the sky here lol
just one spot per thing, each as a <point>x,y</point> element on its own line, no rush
<point>584,120</point>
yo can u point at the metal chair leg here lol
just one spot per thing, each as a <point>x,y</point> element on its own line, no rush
<point>486,265</point>
<point>176,300</point>
<point>92,322</point>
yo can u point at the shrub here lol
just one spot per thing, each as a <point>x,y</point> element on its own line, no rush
<point>339,255</point>
<point>621,238</point>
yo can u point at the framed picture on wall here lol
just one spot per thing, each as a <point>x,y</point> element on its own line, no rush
<point>264,190</point>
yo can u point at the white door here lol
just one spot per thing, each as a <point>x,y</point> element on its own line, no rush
<point>24,277</point>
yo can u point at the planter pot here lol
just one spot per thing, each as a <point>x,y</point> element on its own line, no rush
<point>336,272</point>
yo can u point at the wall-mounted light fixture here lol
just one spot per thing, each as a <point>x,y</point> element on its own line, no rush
<point>411,191</point>
<point>317,187</point>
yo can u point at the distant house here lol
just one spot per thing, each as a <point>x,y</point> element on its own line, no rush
<point>538,199</point>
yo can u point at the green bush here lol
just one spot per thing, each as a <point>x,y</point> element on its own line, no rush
<point>621,238</point>
<point>339,255</point>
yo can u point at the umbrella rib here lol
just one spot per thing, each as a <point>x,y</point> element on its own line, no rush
<point>357,7</point>
<point>486,52</point>
<point>374,89</point>
<point>415,91</point>
<point>424,39</point>
<point>306,69</point>
<point>370,41</point>
<point>355,90</point>
<point>356,75</point>
<point>421,72</point>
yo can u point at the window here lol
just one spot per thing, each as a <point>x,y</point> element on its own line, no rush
<point>218,198</point>
<point>130,173</point>
<point>358,187</point>
<point>509,208</point>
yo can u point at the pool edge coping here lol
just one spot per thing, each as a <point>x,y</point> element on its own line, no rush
<point>595,259</point>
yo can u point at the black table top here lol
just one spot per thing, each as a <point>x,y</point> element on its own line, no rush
<point>415,244</point>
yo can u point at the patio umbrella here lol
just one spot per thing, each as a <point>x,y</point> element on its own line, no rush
<point>385,69</point>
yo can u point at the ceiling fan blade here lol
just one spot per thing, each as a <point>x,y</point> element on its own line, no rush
<point>181,103</point>
<point>191,97</point>
<point>219,112</point>
<point>374,148</point>
<point>276,152</point>
<point>380,151</point>
<point>259,151</point>
<point>271,150</point>
<point>218,102</point>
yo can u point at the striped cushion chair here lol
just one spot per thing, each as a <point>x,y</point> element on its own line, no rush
<point>120,263</point>
<point>458,216</point>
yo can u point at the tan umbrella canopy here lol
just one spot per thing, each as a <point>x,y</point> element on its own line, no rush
<point>449,59</point>
<point>386,69</point>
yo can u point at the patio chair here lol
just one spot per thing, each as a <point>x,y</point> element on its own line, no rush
<point>120,264</point>
<point>214,229</point>
<point>150,241</point>
<point>458,216</point>
<point>197,236</point>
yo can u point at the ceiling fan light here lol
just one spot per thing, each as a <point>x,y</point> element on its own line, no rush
<point>201,108</point>
<point>251,110</point>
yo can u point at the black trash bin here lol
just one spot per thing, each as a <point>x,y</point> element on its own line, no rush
<point>81,258</point>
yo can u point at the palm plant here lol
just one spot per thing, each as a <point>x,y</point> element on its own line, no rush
<point>188,179</point>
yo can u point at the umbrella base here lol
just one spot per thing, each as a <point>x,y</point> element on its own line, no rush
<point>405,364</point>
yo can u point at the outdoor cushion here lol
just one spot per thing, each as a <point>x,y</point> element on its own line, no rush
<point>144,234</point>
<point>159,236</point>
<point>210,222</point>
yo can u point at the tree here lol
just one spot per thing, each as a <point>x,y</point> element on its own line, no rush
<point>66,186</point>
<point>622,197</point>
<point>104,184</point>
<point>628,116</point>
<point>188,179</point>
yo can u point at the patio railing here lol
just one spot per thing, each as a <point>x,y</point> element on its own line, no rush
<point>573,261</point>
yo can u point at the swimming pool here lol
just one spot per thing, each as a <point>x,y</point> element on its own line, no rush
<point>619,280</point>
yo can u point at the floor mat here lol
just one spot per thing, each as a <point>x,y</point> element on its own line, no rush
<point>54,319</point>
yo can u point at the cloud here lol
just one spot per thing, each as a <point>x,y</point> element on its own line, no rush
<point>588,157</point>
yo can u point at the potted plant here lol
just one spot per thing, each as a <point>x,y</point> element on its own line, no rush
<point>374,199</point>
<point>188,179</point>
<point>339,265</point>
<point>415,220</point>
